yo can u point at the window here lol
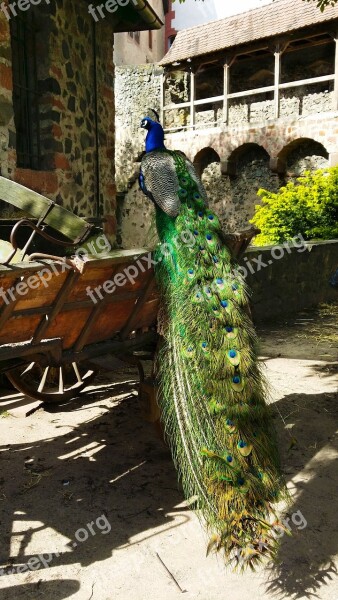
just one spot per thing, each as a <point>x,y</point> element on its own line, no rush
<point>150,39</point>
<point>25,90</point>
<point>171,40</point>
<point>135,35</point>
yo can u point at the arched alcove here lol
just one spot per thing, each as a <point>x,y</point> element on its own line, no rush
<point>244,154</point>
<point>205,157</point>
<point>303,154</point>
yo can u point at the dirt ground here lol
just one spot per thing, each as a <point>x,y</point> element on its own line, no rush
<point>89,495</point>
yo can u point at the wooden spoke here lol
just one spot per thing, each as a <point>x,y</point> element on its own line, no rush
<point>43,380</point>
<point>60,381</point>
<point>76,370</point>
<point>51,384</point>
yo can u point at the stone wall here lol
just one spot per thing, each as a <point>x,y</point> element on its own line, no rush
<point>296,280</point>
<point>65,53</point>
<point>137,88</point>
<point>245,156</point>
<point>7,127</point>
<point>248,159</point>
<point>234,198</point>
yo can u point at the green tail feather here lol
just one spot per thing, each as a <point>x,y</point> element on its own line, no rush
<point>212,392</point>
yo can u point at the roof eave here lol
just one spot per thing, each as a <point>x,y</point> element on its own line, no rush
<point>137,15</point>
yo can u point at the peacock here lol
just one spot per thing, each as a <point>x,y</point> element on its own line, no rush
<point>212,394</point>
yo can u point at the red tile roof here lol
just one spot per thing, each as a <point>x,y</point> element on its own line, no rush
<point>264,22</point>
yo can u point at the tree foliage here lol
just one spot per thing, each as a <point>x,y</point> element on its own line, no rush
<point>308,207</point>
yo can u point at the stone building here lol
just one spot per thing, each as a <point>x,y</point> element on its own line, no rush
<point>141,47</point>
<point>253,101</point>
<point>57,107</point>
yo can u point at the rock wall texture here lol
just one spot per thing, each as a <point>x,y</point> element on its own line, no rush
<point>290,280</point>
<point>66,81</point>
<point>236,163</point>
<point>253,151</point>
<point>137,89</point>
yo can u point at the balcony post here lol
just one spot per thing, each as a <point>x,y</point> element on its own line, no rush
<point>226,92</point>
<point>162,98</point>
<point>278,55</point>
<point>335,94</point>
<point>192,98</point>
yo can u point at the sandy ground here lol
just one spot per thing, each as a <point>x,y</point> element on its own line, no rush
<point>91,487</point>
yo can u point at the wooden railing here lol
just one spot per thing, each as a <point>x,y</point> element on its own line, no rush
<point>226,97</point>
<point>244,94</point>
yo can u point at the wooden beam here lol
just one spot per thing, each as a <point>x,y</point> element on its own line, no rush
<point>162,97</point>
<point>134,315</point>
<point>226,84</point>
<point>60,300</point>
<point>292,84</point>
<point>335,94</point>
<point>8,309</point>
<point>35,205</point>
<point>262,90</point>
<point>192,97</point>
<point>208,100</point>
<point>277,54</point>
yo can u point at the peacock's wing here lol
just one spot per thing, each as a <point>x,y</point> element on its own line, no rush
<point>161,181</point>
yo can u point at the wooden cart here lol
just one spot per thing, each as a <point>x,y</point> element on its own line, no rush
<point>50,326</point>
<point>57,314</point>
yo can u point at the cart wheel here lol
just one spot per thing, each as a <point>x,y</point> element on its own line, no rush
<point>51,384</point>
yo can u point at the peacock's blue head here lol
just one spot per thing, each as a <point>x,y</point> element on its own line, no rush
<point>155,135</point>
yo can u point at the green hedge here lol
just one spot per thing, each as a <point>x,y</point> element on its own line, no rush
<point>308,207</point>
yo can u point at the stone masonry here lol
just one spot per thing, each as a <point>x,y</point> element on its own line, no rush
<point>65,51</point>
<point>235,161</point>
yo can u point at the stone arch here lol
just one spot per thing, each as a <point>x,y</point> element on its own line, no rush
<point>204,158</point>
<point>302,154</point>
<point>246,152</point>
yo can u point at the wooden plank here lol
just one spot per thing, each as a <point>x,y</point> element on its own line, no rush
<point>115,257</point>
<point>60,219</point>
<point>110,321</point>
<point>192,98</point>
<point>114,346</point>
<point>209,100</point>
<point>91,321</point>
<point>261,90</point>
<point>162,96</point>
<point>43,294</point>
<point>135,315</point>
<point>57,306</point>
<point>7,309</point>
<point>291,84</point>
<point>277,81</point>
<point>148,316</point>
<point>179,105</point>
<point>19,328</point>
<point>68,326</point>
<point>226,87</point>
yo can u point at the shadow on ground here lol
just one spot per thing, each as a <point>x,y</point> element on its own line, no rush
<point>127,476</point>
<point>305,561</point>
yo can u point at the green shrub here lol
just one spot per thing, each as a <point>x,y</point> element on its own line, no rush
<point>308,207</point>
